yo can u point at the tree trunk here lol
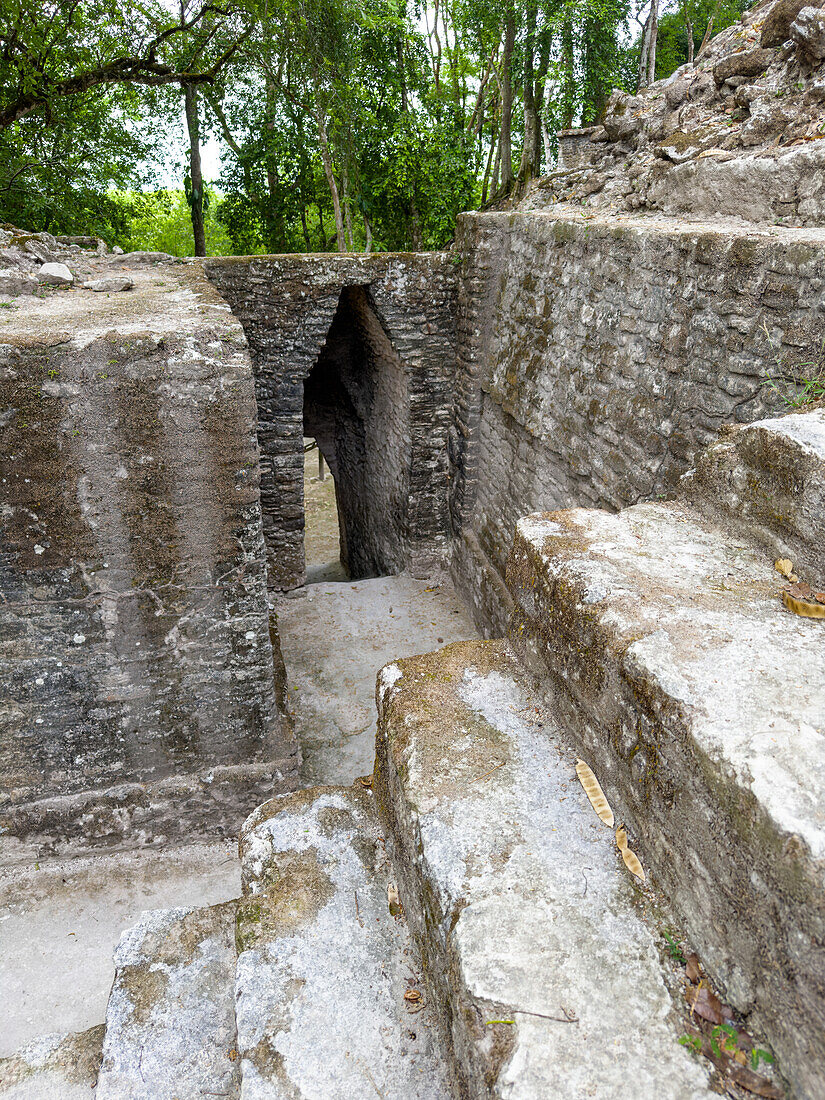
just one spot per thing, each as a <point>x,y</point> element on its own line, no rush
<point>347,212</point>
<point>647,58</point>
<point>528,168</point>
<point>689,31</point>
<point>568,76</point>
<point>190,99</point>
<point>326,158</point>
<point>304,227</point>
<point>506,142</point>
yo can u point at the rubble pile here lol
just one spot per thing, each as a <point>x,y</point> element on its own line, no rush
<point>738,132</point>
<point>31,262</point>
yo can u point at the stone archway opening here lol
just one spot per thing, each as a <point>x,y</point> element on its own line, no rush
<point>356,406</point>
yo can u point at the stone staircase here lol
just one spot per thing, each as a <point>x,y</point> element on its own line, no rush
<point>463,924</point>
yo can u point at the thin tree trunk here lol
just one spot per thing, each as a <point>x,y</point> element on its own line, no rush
<point>190,99</point>
<point>488,167</point>
<point>689,31</point>
<point>568,76</point>
<point>347,212</point>
<point>368,230</point>
<point>647,58</point>
<point>708,30</point>
<point>506,142</point>
<point>322,228</point>
<point>528,168</point>
<point>326,158</point>
<point>307,240</point>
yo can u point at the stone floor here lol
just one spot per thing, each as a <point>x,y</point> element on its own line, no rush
<point>335,637</point>
<point>60,922</point>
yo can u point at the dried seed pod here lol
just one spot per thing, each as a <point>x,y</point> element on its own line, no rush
<point>594,793</point>
<point>808,609</point>
<point>631,860</point>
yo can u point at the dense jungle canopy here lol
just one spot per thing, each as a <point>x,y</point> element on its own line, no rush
<point>342,124</point>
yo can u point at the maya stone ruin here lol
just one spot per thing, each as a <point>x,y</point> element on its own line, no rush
<point>586,425</point>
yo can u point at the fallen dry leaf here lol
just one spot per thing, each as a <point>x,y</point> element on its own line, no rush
<point>413,996</point>
<point>709,1007</point>
<point>692,967</point>
<point>785,567</point>
<point>364,781</point>
<point>594,792</point>
<point>631,860</point>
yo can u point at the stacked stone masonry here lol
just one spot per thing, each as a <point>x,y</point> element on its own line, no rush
<point>375,334</point>
<point>598,355</point>
<point>139,696</point>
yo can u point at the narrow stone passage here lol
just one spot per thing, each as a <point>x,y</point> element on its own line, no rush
<point>335,637</point>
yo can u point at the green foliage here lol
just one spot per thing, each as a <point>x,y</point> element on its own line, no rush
<point>159,221</point>
<point>672,43</point>
<point>344,123</point>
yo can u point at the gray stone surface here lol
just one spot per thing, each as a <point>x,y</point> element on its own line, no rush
<point>670,656</point>
<point>60,922</point>
<point>547,978</point>
<point>358,351</point>
<point>335,638</point>
<point>323,966</point>
<point>130,259</point>
<point>112,284</point>
<point>14,282</point>
<point>808,31</point>
<point>55,274</point>
<point>771,476</point>
<point>170,1021</point>
<point>735,134</point>
<point>598,355</point>
<point>54,1067</point>
<point>138,688</point>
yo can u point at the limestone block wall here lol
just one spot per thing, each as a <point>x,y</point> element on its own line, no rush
<point>373,338</point>
<point>597,355</point>
<point>138,695</point>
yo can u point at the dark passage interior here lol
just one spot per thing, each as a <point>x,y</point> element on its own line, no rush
<point>356,406</point>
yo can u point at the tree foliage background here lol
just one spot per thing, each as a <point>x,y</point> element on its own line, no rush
<point>343,124</point>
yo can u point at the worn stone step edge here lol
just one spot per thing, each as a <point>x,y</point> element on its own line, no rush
<point>770,476</point>
<point>735,837</point>
<point>170,1020</point>
<point>323,964</point>
<point>64,1066</point>
<point>546,980</point>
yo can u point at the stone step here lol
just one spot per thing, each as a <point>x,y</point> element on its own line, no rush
<point>54,1067</point>
<point>544,967</point>
<point>701,701</point>
<point>771,475</point>
<point>323,966</point>
<point>170,1022</point>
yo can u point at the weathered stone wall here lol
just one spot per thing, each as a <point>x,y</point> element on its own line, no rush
<point>386,350</point>
<point>597,355</point>
<point>138,695</point>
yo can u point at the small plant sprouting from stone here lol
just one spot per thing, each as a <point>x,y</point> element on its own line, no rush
<point>724,1039</point>
<point>803,384</point>
<point>674,950</point>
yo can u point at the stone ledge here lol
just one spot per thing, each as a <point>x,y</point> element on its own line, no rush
<point>771,475</point>
<point>669,653</point>
<point>170,1022</point>
<point>516,893</point>
<point>323,967</point>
